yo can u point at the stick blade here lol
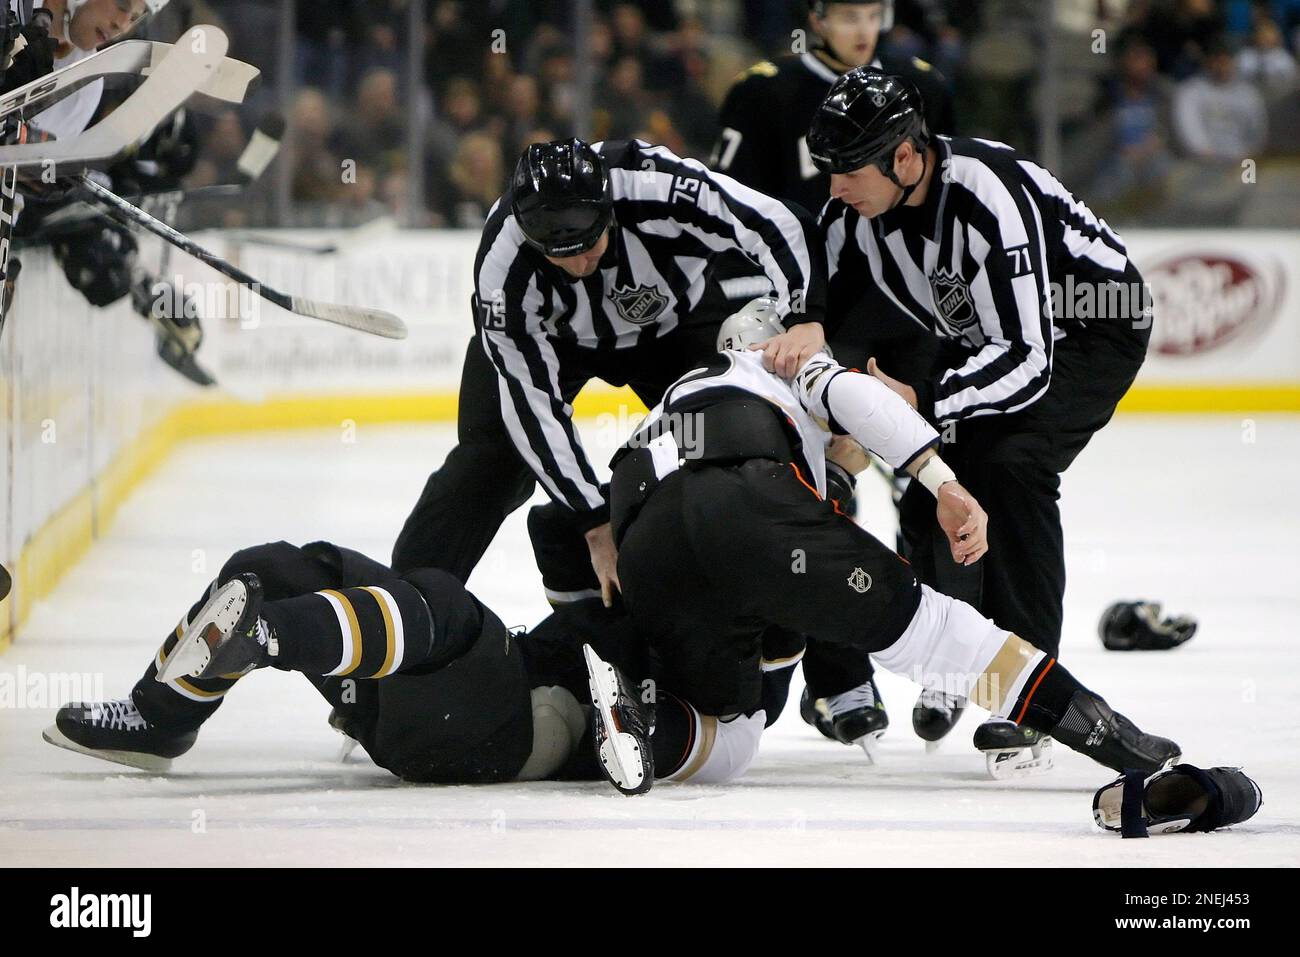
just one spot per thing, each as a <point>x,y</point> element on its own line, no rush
<point>374,321</point>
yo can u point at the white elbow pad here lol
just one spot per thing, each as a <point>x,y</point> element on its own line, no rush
<point>878,418</point>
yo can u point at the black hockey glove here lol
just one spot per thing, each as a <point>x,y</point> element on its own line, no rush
<point>97,261</point>
<point>29,50</point>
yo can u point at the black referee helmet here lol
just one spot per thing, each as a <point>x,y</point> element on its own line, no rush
<point>862,121</point>
<point>561,197</point>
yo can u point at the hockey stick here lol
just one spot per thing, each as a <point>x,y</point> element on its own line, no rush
<point>374,321</point>
<point>230,83</point>
<point>181,72</point>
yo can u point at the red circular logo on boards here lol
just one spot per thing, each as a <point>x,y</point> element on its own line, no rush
<point>1202,300</point>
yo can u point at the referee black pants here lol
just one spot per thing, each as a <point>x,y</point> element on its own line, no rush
<point>1012,464</point>
<point>484,478</point>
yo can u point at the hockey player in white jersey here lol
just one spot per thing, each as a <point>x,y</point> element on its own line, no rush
<point>718,512</point>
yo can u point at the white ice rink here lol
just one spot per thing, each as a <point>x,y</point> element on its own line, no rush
<point>1185,510</point>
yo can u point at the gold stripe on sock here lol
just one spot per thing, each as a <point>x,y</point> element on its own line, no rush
<point>390,633</point>
<point>199,692</point>
<point>1000,676</point>
<point>352,623</point>
<point>707,733</point>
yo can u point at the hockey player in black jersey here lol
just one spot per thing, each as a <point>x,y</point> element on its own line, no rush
<point>764,119</point>
<point>415,669</point>
<point>592,266</point>
<point>719,513</point>
<point>988,250</point>
<point>763,143</point>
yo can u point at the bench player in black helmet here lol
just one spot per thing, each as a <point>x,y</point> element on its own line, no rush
<point>762,139</point>
<point>976,243</point>
<point>591,266</point>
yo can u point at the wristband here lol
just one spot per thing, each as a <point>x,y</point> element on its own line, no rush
<point>934,473</point>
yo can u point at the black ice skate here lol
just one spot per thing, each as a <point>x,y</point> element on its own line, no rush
<point>620,727</point>
<point>1138,626</point>
<point>934,715</point>
<point>1181,798</point>
<point>814,713</point>
<point>227,636</point>
<point>116,731</point>
<point>857,717</point>
<point>1012,750</point>
<point>1092,728</point>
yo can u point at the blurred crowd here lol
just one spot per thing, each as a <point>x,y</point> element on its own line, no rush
<point>1159,101</point>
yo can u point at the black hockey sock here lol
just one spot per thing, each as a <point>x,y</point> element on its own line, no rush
<point>1046,696</point>
<point>676,726</point>
<point>366,632</point>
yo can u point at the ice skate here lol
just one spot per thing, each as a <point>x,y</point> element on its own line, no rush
<point>620,727</point>
<point>116,731</point>
<point>857,716</point>
<point>1011,750</point>
<point>934,715</point>
<point>226,637</point>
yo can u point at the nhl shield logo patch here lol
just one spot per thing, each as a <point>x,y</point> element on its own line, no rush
<point>638,305</point>
<point>953,302</point>
<point>860,581</point>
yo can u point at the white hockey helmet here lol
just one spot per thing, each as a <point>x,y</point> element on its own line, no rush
<point>756,321</point>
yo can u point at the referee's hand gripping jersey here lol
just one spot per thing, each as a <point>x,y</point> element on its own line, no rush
<point>591,267</point>
<point>977,244</point>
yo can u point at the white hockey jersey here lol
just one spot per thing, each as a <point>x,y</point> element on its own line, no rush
<point>68,118</point>
<point>823,399</point>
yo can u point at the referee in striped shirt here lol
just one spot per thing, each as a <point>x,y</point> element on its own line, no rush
<point>1041,317</point>
<point>592,266</point>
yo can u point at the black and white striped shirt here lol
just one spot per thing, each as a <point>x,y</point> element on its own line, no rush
<point>975,263</point>
<point>671,216</point>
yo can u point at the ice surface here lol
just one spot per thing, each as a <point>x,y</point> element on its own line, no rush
<point>1186,510</point>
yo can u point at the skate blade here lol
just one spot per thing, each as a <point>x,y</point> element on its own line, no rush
<point>131,759</point>
<point>1011,763</point>
<point>346,748</point>
<point>192,652</point>
<point>870,745</point>
<point>932,746</point>
<point>620,753</point>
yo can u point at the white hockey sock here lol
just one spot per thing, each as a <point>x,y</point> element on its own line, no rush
<point>950,647</point>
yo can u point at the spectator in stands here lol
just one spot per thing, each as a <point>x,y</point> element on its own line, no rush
<point>631,39</point>
<point>456,44</point>
<point>1266,62</point>
<point>473,182</point>
<point>524,111</point>
<point>1217,116</point>
<point>621,101</point>
<point>1180,31</point>
<point>375,132</point>
<point>460,111</point>
<point>1139,155</point>
<point>316,171</point>
<point>329,31</point>
<point>222,147</point>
